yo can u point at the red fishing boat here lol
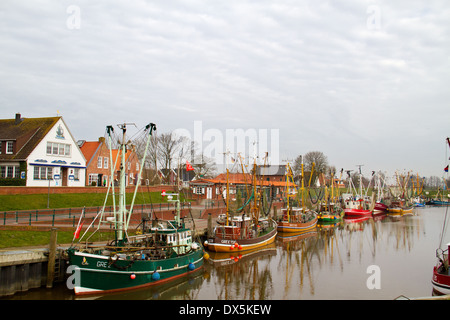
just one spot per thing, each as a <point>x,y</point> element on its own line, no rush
<point>355,205</point>
<point>356,208</point>
<point>441,272</point>
<point>380,207</point>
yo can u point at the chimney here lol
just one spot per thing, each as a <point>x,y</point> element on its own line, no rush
<point>18,118</point>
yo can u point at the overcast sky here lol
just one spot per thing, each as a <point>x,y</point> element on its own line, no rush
<point>365,82</point>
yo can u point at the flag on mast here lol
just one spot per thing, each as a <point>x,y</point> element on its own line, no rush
<point>77,232</point>
<point>189,166</point>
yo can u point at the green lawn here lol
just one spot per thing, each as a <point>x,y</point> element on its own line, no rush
<point>70,200</point>
<point>23,238</point>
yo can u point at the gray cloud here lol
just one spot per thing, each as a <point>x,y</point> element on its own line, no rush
<point>364,82</point>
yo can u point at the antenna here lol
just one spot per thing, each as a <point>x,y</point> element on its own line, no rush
<point>359,165</point>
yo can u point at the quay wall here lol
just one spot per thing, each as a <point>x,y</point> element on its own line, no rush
<point>25,269</point>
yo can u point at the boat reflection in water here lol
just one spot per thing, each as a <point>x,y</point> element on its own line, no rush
<point>243,275</point>
<point>297,252</point>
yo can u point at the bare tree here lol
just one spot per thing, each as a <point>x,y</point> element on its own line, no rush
<point>204,167</point>
<point>168,145</point>
<point>149,174</point>
<point>320,165</point>
<point>318,158</point>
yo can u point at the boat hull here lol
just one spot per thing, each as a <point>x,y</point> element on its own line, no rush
<point>438,203</point>
<point>327,217</point>
<point>296,227</point>
<point>380,207</point>
<point>357,212</point>
<point>98,274</point>
<point>440,282</point>
<point>218,244</point>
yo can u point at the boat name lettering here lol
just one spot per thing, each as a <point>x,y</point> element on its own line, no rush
<point>227,241</point>
<point>102,264</point>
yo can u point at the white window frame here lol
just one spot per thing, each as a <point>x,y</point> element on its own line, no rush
<point>9,145</point>
<point>42,173</point>
<point>58,149</point>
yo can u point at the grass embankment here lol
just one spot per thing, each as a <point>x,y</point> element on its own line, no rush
<point>22,238</point>
<point>70,200</point>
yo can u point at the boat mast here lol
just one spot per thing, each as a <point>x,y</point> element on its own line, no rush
<point>110,129</point>
<point>288,209</point>
<point>228,197</point>
<point>303,187</point>
<point>149,127</point>
<point>122,198</point>
<point>360,180</point>
<point>255,209</point>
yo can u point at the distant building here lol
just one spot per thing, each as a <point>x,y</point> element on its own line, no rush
<point>215,188</point>
<point>272,172</point>
<point>39,152</point>
<point>98,163</point>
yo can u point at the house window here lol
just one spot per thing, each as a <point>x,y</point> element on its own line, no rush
<point>137,166</point>
<point>105,162</point>
<point>76,174</point>
<point>49,173</point>
<point>199,190</point>
<point>93,178</point>
<point>10,172</point>
<point>58,149</point>
<point>9,147</point>
<point>99,162</point>
<point>43,173</point>
<point>62,149</point>
<point>17,172</point>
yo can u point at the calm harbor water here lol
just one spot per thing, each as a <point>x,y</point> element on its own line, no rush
<point>379,258</point>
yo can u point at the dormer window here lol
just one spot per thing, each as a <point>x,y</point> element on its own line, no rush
<point>9,147</point>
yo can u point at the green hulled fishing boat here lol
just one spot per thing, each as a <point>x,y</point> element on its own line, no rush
<point>163,251</point>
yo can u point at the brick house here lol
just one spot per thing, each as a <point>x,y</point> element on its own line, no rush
<point>39,152</point>
<point>272,172</point>
<point>212,189</point>
<point>98,162</point>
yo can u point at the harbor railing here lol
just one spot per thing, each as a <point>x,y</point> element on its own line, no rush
<point>70,216</point>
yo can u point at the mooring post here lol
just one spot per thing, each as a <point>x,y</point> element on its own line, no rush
<point>51,258</point>
<point>209,232</point>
